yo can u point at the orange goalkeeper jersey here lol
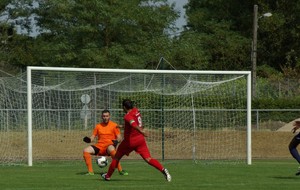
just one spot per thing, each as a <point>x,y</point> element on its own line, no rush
<point>106,133</point>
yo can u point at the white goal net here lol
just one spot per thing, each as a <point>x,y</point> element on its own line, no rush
<point>197,115</point>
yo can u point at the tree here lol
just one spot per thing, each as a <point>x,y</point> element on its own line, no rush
<point>188,52</point>
<point>221,27</point>
<point>279,36</point>
<point>3,5</point>
<point>226,27</point>
<point>99,33</point>
<point>7,32</point>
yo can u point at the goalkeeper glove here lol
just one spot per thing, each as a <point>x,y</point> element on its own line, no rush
<point>115,142</point>
<point>87,139</point>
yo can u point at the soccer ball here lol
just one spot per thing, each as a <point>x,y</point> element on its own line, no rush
<point>102,161</point>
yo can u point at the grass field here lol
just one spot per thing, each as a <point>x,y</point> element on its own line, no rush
<point>185,175</point>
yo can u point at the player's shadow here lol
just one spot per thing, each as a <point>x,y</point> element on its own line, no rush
<point>83,173</point>
<point>98,174</point>
<point>286,177</point>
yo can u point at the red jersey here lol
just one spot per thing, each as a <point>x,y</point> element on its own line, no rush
<point>132,119</point>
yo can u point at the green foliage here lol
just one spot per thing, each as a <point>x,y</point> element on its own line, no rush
<point>266,71</point>
<point>278,103</point>
<point>188,52</point>
<point>277,86</point>
<point>228,25</point>
<point>281,103</point>
<point>115,34</point>
<point>220,27</point>
<point>279,33</point>
<point>134,34</point>
<point>3,4</point>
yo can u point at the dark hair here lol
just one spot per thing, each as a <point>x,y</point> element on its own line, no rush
<point>128,104</point>
<point>105,111</point>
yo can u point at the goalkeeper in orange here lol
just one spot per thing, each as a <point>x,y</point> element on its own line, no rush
<point>109,135</point>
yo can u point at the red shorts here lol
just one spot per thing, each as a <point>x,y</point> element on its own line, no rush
<point>138,145</point>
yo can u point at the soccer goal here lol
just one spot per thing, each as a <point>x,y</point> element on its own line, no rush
<point>196,115</point>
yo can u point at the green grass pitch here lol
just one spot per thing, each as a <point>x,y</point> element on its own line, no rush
<point>185,175</point>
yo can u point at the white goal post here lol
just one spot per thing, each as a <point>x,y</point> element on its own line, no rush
<point>204,114</point>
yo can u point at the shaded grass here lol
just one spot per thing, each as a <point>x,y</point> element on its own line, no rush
<point>185,175</point>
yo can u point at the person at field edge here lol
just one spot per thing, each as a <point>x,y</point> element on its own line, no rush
<point>134,140</point>
<point>294,143</point>
<point>109,135</point>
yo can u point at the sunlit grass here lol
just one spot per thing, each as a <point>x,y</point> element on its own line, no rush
<point>185,175</point>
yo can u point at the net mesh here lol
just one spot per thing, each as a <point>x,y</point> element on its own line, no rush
<point>188,116</point>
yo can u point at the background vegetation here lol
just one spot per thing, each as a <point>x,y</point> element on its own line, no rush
<point>137,33</point>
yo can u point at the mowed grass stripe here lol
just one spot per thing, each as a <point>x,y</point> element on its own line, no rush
<point>66,175</point>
